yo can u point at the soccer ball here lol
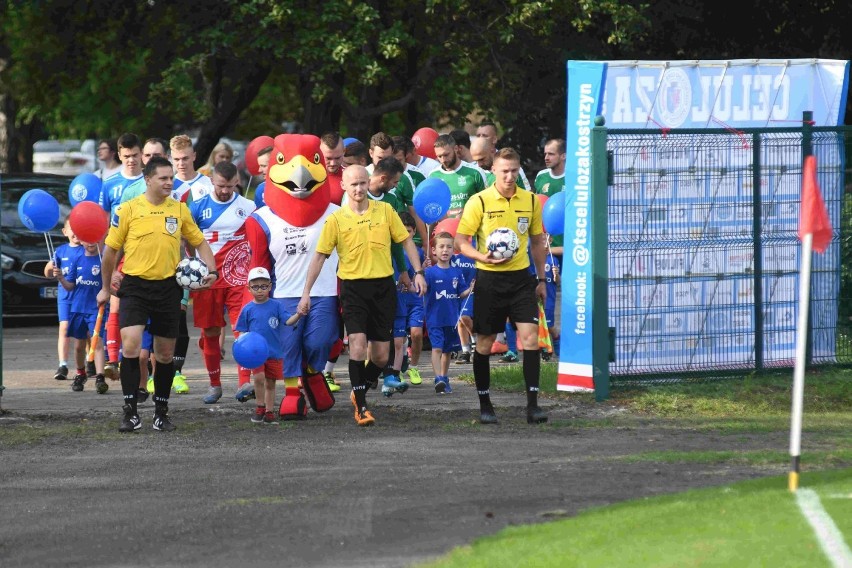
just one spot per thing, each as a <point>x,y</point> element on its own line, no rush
<point>502,243</point>
<point>190,272</point>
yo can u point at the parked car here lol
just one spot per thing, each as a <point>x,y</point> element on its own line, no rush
<point>62,157</point>
<point>23,253</point>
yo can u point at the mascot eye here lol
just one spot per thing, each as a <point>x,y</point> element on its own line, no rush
<point>279,158</point>
<point>317,158</point>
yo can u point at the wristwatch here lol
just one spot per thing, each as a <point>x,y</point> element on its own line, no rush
<point>542,280</point>
<point>420,272</point>
<point>216,272</point>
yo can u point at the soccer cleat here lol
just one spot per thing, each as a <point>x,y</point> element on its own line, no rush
<point>245,392</point>
<point>353,401</point>
<point>464,358</point>
<point>259,412</point>
<point>61,373</point>
<point>546,355</point>
<point>161,419</point>
<point>392,385</point>
<point>487,416</point>
<point>79,381</point>
<point>447,388</point>
<point>332,384</point>
<point>101,385</point>
<point>364,417</point>
<point>509,357</point>
<point>141,396</point>
<point>269,418</point>
<point>150,385</point>
<point>111,370</point>
<point>414,376</point>
<point>536,415</point>
<point>440,386</point>
<point>213,395</point>
<point>90,369</point>
<point>179,384</point>
<point>131,420</point>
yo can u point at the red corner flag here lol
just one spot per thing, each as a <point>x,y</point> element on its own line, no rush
<point>813,216</point>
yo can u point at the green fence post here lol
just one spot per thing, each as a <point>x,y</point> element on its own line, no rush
<point>600,259</point>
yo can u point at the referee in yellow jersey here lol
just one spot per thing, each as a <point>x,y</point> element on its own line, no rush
<point>149,228</point>
<point>362,231</point>
<point>505,288</point>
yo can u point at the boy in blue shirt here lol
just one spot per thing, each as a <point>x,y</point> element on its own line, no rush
<point>84,281</point>
<point>66,255</point>
<point>265,316</point>
<point>465,325</point>
<point>409,319</point>
<point>446,287</point>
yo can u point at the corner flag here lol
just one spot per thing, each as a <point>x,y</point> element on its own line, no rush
<point>815,234</point>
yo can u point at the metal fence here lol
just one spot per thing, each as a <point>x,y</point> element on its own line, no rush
<point>704,252</point>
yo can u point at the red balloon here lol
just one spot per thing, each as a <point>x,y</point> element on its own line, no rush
<point>447,225</point>
<point>89,221</point>
<point>252,149</point>
<point>424,141</point>
<point>543,199</point>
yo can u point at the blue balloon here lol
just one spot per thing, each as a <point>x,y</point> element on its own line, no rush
<point>432,200</point>
<point>38,210</point>
<point>553,214</point>
<point>348,141</point>
<point>251,350</point>
<point>258,194</point>
<point>84,187</point>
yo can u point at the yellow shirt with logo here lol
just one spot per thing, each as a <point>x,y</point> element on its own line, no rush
<point>150,235</point>
<point>362,241</point>
<point>488,210</point>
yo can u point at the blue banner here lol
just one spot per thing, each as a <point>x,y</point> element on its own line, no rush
<point>585,87</point>
<point>742,93</point>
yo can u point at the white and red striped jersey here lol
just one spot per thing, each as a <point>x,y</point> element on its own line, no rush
<point>192,190</point>
<point>223,225</point>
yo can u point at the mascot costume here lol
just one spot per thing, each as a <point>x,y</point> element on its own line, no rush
<point>283,236</point>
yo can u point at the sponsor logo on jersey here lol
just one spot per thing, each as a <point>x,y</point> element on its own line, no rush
<point>273,322</point>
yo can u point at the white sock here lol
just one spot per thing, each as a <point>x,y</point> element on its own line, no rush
<point>329,367</point>
<point>465,348</point>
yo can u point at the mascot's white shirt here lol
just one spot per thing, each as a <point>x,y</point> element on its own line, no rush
<point>292,249</point>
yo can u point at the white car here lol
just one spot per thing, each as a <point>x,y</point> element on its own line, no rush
<point>62,157</point>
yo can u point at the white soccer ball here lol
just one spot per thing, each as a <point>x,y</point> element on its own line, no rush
<point>502,243</point>
<point>190,272</point>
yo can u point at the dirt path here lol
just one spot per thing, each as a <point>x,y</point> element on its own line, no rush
<point>221,491</point>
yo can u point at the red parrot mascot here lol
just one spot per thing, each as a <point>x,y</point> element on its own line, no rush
<point>283,236</point>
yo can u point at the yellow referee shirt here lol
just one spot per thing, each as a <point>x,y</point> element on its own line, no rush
<point>488,210</point>
<point>150,235</point>
<point>362,241</point>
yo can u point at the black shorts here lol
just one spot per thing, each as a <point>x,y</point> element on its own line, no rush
<point>369,306</point>
<point>502,295</point>
<point>155,300</point>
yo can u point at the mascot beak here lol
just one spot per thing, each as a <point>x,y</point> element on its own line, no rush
<point>298,177</point>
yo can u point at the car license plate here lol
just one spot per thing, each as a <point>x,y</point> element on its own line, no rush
<point>49,292</point>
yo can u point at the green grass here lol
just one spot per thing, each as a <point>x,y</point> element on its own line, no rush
<point>755,523</point>
<point>827,392</point>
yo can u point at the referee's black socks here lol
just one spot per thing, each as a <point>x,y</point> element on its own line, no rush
<point>482,378</point>
<point>164,374</point>
<point>532,369</point>
<point>356,377</point>
<point>129,376</point>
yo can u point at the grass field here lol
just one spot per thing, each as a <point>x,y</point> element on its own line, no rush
<point>755,523</point>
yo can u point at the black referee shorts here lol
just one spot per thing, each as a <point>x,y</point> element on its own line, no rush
<point>155,300</point>
<point>502,295</point>
<point>369,306</point>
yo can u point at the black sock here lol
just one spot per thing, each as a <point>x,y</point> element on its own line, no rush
<point>482,378</point>
<point>182,343</point>
<point>164,374</point>
<point>129,376</point>
<point>371,373</point>
<point>532,369</point>
<point>356,377</point>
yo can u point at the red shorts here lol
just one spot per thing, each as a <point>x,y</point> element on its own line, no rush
<point>271,369</point>
<point>209,306</point>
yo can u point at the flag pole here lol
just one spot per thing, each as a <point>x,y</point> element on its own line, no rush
<point>799,369</point>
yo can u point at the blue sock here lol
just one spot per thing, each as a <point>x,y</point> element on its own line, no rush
<point>511,338</point>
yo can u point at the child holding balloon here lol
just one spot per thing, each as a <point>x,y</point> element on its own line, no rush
<point>64,257</point>
<point>263,317</point>
<point>83,279</point>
